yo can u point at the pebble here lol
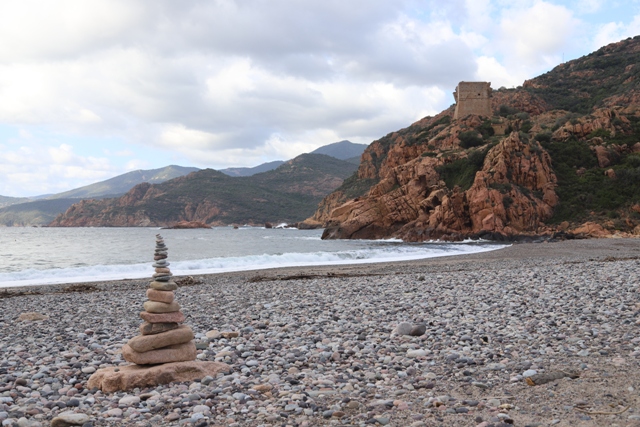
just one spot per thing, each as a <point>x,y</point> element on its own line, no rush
<point>321,351</point>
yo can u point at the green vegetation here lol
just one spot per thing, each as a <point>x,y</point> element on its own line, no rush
<point>591,191</point>
<point>591,79</point>
<point>462,172</point>
<point>353,186</point>
<point>470,139</point>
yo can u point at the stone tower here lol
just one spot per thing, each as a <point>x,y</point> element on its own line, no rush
<point>473,98</point>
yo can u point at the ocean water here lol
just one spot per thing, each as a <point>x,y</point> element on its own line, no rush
<point>37,256</point>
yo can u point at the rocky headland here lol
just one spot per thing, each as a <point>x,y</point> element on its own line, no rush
<point>560,156</point>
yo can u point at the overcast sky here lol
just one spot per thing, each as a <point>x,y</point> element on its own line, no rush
<point>93,89</point>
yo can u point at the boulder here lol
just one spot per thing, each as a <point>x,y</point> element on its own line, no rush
<point>129,377</point>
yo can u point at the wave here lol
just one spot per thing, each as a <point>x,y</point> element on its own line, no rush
<point>242,263</point>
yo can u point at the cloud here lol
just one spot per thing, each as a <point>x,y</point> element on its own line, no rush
<point>535,36</point>
<point>615,31</point>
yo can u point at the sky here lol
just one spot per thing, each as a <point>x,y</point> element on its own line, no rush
<point>93,89</point>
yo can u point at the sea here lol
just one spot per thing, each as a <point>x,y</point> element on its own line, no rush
<point>42,255</point>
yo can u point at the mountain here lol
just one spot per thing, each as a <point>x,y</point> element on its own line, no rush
<point>252,171</point>
<point>288,193</point>
<point>8,201</point>
<point>43,209</point>
<point>559,155</point>
<point>122,183</point>
<point>343,150</point>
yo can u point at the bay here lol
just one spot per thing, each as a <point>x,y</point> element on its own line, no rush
<point>36,256</point>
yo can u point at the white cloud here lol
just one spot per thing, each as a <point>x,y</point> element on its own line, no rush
<point>615,31</point>
<point>534,37</point>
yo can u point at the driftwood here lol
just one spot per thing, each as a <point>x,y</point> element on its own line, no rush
<point>547,377</point>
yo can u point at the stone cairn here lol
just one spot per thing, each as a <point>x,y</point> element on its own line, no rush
<point>163,339</point>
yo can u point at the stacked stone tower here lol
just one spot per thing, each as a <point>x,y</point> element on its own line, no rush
<point>163,339</point>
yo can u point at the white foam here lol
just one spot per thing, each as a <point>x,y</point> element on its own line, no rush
<point>387,253</point>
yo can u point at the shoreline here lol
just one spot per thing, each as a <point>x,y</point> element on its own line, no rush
<point>569,250</point>
<point>322,340</point>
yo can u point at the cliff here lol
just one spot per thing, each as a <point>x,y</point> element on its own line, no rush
<point>561,154</point>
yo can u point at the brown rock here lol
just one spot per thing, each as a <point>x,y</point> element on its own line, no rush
<point>160,296</point>
<point>591,229</point>
<point>604,157</point>
<point>134,376</point>
<point>143,343</point>
<point>610,173</point>
<point>163,286</point>
<point>156,328</point>
<point>32,316</point>
<point>161,307</point>
<point>262,388</point>
<point>163,269</point>
<point>175,317</point>
<point>232,334</point>
<point>175,353</point>
<point>636,147</point>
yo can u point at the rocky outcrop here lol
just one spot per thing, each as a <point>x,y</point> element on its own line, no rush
<point>512,194</point>
<point>188,225</point>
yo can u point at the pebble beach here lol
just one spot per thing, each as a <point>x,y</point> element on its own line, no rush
<point>327,346</point>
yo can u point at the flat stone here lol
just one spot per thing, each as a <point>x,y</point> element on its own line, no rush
<point>143,343</point>
<point>156,328</point>
<point>159,263</point>
<point>69,418</point>
<point>32,316</point>
<point>161,296</point>
<point>163,286</point>
<point>416,353</point>
<point>163,270</point>
<point>175,317</point>
<point>162,277</point>
<point>134,376</point>
<point>161,307</point>
<point>174,353</point>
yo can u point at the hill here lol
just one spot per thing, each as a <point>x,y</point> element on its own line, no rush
<point>289,194</point>
<point>122,183</point>
<point>42,210</point>
<point>558,156</point>
<point>343,150</point>
<point>8,201</point>
<point>264,167</point>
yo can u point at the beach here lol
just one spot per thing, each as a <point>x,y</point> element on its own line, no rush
<point>319,346</point>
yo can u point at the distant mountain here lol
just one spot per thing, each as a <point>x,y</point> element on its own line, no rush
<point>8,201</point>
<point>342,150</point>
<point>41,211</point>
<point>38,212</point>
<point>288,193</point>
<point>265,167</point>
<point>120,184</point>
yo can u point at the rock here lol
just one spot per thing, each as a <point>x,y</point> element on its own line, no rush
<point>163,286</point>
<point>262,388</point>
<point>213,334</point>
<point>144,343</point>
<point>32,316</point>
<point>175,317</point>
<point>416,353</point>
<point>133,376</point>
<point>175,353</point>
<point>418,330</point>
<point>160,296</point>
<point>188,225</point>
<point>403,328</point>
<point>161,307</point>
<point>68,419</point>
<point>230,334</point>
<point>156,328</point>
